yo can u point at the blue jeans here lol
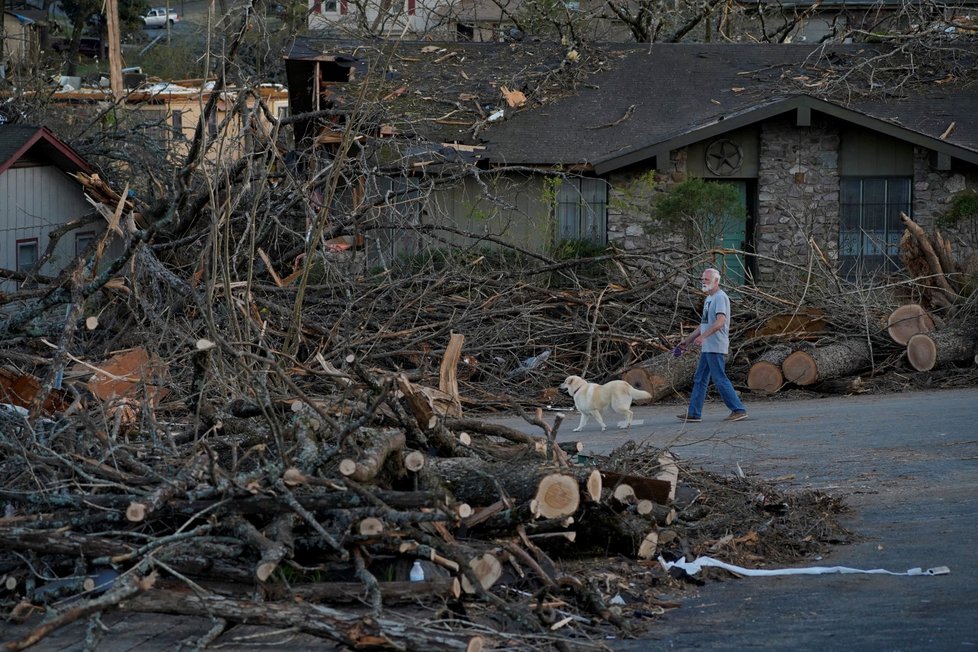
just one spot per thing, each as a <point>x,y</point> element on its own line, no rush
<point>712,366</point>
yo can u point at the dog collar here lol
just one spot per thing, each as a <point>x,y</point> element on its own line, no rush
<point>579,388</point>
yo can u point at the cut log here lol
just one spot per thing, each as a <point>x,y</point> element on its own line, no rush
<point>928,350</point>
<point>663,375</point>
<point>370,526</point>
<point>624,493</point>
<point>645,488</point>
<point>908,320</point>
<point>592,484</point>
<point>367,467</point>
<point>414,461</point>
<point>479,483</point>
<point>557,495</point>
<point>809,366</point>
<point>765,375</point>
<point>487,570</point>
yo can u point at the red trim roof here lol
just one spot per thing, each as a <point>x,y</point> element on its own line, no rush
<point>51,148</point>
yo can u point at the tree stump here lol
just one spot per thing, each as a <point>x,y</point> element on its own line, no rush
<point>806,367</point>
<point>765,375</point>
<point>928,350</point>
<point>908,320</point>
<point>664,374</point>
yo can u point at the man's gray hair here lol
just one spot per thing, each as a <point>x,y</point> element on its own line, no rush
<point>713,272</point>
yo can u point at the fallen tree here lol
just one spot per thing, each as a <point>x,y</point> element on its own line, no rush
<point>811,365</point>
<point>925,351</point>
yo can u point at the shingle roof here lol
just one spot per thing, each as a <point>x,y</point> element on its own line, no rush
<point>610,105</point>
<point>656,94</point>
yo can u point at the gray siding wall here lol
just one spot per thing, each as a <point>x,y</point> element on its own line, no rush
<point>33,202</point>
<point>511,207</point>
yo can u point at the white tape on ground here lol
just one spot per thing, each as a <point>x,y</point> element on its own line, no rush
<point>693,567</point>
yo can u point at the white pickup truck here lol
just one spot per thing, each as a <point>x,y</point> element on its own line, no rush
<point>160,17</point>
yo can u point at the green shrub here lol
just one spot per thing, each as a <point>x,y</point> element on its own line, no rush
<point>699,210</point>
<point>963,208</point>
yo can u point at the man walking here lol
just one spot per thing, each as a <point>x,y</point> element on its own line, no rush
<point>713,338</point>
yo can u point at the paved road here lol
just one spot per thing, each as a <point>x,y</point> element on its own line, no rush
<point>909,466</point>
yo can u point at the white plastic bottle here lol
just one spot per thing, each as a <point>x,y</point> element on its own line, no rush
<point>417,573</point>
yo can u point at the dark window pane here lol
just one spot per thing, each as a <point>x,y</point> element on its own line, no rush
<point>869,223</point>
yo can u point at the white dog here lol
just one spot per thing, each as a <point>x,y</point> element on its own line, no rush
<point>591,398</point>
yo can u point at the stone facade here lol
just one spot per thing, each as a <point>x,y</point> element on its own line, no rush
<point>797,201</point>
<point>933,191</point>
<point>798,195</point>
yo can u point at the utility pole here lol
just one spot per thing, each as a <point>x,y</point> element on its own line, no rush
<point>115,49</point>
<point>3,39</point>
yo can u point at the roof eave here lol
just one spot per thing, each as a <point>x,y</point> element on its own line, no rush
<point>69,160</point>
<point>768,110</point>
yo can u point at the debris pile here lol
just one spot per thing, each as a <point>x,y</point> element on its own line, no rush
<point>489,533</point>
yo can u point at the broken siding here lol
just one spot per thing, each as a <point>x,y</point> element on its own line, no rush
<point>33,202</point>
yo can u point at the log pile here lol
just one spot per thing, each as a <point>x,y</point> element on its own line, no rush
<point>312,518</point>
<point>303,517</point>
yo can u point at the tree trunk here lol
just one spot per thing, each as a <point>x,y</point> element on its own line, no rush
<point>765,375</point>
<point>942,293</point>
<point>477,483</point>
<point>908,320</point>
<point>928,350</point>
<point>653,489</point>
<point>664,374</point>
<point>806,367</point>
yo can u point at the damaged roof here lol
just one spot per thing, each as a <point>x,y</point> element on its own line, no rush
<point>665,96</point>
<point>445,92</point>
<point>543,103</point>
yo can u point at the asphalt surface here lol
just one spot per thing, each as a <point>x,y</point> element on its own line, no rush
<point>907,464</point>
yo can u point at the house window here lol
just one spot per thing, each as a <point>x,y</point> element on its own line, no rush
<point>411,7</point>
<point>870,227</point>
<point>582,210</point>
<point>212,124</point>
<point>83,241</point>
<point>176,120</point>
<point>27,252</point>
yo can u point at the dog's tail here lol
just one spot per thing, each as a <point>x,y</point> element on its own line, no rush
<point>640,394</point>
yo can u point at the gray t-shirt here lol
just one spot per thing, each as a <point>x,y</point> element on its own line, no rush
<point>717,303</point>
